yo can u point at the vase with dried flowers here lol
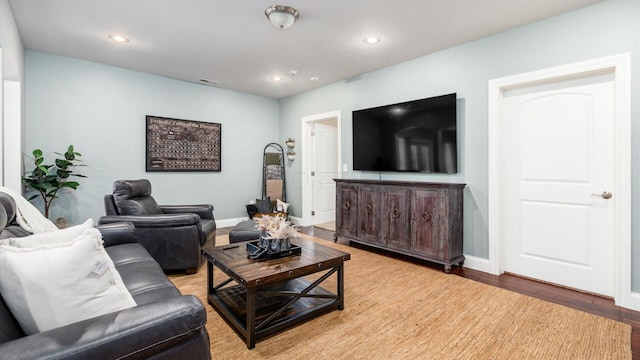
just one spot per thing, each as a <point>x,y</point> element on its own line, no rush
<point>277,234</point>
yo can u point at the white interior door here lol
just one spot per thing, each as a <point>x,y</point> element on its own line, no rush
<point>325,161</point>
<point>559,168</point>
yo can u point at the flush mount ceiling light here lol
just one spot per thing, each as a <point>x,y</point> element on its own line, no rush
<point>281,16</point>
<point>276,78</point>
<point>118,38</point>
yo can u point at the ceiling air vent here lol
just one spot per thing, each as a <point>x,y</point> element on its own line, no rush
<point>210,82</point>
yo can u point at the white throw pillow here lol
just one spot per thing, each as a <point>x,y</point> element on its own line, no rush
<point>59,283</point>
<point>63,235</point>
<point>282,205</point>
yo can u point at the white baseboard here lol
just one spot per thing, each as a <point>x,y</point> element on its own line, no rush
<point>230,222</point>
<point>634,301</point>
<point>476,263</point>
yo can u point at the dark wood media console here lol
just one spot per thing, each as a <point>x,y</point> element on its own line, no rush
<point>422,220</point>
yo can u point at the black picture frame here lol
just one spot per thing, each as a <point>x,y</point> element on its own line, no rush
<point>182,145</point>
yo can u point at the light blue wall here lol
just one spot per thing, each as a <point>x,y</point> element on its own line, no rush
<point>101,110</point>
<point>604,29</point>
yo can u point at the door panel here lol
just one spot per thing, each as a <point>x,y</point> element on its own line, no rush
<point>560,145</point>
<point>395,208</point>
<point>347,216</point>
<point>558,233</point>
<point>425,238</point>
<point>369,213</point>
<point>556,136</point>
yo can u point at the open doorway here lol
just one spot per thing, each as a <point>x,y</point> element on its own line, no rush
<point>321,158</point>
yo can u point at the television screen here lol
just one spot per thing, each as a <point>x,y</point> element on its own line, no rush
<point>414,136</point>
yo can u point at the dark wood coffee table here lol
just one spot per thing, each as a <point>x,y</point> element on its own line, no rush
<point>261,298</point>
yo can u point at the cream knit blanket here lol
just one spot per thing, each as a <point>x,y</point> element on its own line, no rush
<point>28,216</point>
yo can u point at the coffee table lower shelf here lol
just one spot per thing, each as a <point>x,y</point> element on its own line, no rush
<point>275,308</point>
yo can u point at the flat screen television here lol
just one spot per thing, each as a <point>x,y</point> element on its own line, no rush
<point>413,136</point>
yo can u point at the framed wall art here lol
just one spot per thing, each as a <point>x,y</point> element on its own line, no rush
<point>182,145</point>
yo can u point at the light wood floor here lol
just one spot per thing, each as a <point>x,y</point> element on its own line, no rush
<point>574,299</point>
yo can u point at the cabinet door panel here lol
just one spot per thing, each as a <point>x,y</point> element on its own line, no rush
<point>369,213</point>
<point>396,208</point>
<point>425,239</point>
<point>346,210</point>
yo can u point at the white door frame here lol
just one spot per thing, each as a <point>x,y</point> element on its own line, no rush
<point>620,65</point>
<point>307,159</point>
<point>12,136</point>
<point>11,124</point>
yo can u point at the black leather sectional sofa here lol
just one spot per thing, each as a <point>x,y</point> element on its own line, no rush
<point>163,325</point>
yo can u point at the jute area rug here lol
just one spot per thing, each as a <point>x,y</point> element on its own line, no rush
<point>395,309</point>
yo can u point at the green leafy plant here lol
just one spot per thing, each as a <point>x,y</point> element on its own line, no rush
<point>48,180</point>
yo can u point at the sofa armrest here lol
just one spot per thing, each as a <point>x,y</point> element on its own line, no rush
<point>205,211</point>
<point>154,221</point>
<point>118,233</point>
<point>135,333</point>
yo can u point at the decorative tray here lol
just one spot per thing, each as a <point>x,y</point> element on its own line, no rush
<point>253,248</point>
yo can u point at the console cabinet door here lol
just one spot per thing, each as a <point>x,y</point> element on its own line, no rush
<point>346,206</point>
<point>396,210</point>
<point>426,207</point>
<point>369,214</point>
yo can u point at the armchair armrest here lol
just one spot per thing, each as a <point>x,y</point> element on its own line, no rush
<point>135,333</point>
<point>205,211</point>
<point>154,221</point>
<point>118,233</point>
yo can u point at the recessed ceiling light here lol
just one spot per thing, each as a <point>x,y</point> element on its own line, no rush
<point>371,40</point>
<point>314,78</point>
<point>118,38</point>
<point>276,78</point>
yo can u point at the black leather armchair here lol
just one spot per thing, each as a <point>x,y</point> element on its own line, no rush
<point>173,234</point>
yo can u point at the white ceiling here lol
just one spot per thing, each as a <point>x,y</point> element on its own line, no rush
<point>231,41</point>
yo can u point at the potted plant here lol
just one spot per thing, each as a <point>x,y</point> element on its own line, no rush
<point>48,180</point>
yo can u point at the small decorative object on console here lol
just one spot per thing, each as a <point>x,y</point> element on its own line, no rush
<point>275,241</point>
<point>282,206</point>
